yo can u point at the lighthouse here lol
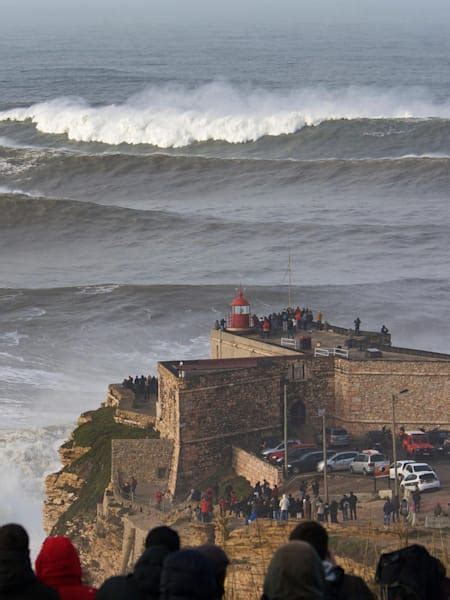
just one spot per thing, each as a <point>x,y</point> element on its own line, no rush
<point>239,319</point>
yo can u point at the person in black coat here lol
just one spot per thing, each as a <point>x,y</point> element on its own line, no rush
<point>188,575</point>
<point>17,580</point>
<point>143,583</point>
<point>338,584</point>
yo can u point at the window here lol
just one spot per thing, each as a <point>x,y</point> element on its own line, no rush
<point>241,310</point>
<point>161,472</point>
<point>378,458</point>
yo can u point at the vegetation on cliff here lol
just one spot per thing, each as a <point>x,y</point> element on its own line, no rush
<point>94,467</point>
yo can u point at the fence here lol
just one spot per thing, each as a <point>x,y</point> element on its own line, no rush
<point>340,352</point>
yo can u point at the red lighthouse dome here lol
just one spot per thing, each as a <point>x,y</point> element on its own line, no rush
<point>239,319</point>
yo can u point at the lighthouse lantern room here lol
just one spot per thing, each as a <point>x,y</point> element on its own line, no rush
<point>240,319</point>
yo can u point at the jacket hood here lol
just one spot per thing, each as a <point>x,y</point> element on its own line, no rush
<point>58,563</point>
<point>295,573</point>
<point>147,571</point>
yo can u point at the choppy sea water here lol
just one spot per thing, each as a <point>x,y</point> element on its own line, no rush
<point>139,188</point>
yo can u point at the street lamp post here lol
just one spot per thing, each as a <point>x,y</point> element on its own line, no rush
<point>322,413</point>
<point>285,431</point>
<point>394,444</point>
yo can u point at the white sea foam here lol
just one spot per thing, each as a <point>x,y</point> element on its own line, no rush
<point>25,458</point>
<point>33,312</point>
<point>36,377</point>
<point>95,290</point>
<point>12,338</point>
<point>18,192</point>
<point>176,116</point>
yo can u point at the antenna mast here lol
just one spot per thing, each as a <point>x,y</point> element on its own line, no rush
<point>289,279</point>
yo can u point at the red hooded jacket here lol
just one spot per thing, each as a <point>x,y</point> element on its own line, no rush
<point>58,566</point>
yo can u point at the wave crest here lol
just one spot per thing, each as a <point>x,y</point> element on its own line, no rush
<point>176,116</point>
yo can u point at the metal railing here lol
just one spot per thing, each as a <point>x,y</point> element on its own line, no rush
<point>340,352</point>
<point>290,343</point>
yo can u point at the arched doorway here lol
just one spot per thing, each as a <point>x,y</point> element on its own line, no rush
<point>297,413</point>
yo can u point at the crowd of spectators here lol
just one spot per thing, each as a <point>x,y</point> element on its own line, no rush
<point>266,502</point>
<point>288,322</point>
<point>304,568</point>
<point>142,386</point>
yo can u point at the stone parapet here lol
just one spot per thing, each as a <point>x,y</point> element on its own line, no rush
<point>255,469</point>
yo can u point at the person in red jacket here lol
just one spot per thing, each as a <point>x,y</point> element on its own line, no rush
<point>58,566</point>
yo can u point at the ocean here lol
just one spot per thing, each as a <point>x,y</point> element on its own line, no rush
<point>147,172</point>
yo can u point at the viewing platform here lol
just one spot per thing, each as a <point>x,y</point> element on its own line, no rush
<point>130,408</point>
<point>343,343</point>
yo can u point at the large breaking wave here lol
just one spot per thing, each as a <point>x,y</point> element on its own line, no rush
<point>176,115</point>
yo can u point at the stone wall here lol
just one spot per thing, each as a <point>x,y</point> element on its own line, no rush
<point>208,411</point>
<point>147,460</point>
<point>315,390</point>
<point>364,390</point>
<point>134,418</point>
<point>220,409</point>
<point>229,345</point>
<point>167,418</point>
<point>255,469</point>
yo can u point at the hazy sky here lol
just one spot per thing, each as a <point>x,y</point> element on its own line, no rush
<point>75,12</point>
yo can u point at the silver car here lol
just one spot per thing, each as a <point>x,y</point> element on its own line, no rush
<point>365,463</point>
<point>341,461</point>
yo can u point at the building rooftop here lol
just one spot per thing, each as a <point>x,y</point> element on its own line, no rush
<point>342,342</point>
<point>206,366</point>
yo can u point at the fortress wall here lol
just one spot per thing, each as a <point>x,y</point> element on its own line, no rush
<point>167,417</point>
<point>228,402</point>
<point>364,389</point>
<point>221,409</point>
<point>231,345</point>
<point>255,469</point>
<point>147,460</point>
<point>316,390</point>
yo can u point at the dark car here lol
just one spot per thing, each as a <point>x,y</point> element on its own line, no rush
<point>296,453</point>
<point>308,462</point>
<point>336,436</point>
<point>440,438</point>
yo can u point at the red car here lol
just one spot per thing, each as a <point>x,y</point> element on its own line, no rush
<point>417,443</point>
<point>277,453</point>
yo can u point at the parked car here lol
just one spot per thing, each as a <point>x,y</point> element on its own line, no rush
<point>365,463</point>
<point>416,467</point>
<point>296,453</point>
<point>417,443</point>
<point>424,481</point>
<point>280,447</point>
<point>440,439</point>
<point>336,436</point>
<point>340,461</point>
<point>307,462</point>
<point>275,456</point>
<point>401,464</point>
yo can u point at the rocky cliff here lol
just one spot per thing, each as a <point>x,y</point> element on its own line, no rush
<point>109,532</point>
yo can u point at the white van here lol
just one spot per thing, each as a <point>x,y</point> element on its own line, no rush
<point>365,463</point>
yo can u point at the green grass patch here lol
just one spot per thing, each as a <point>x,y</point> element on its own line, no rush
<point>95,465</point>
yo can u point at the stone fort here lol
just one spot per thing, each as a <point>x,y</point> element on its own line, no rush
<point>209,413</point>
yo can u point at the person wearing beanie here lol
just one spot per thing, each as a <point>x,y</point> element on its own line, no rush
<point>58,566</point>
<point>143,583</point>
<point>17,580</point>
<point>295,573</point>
